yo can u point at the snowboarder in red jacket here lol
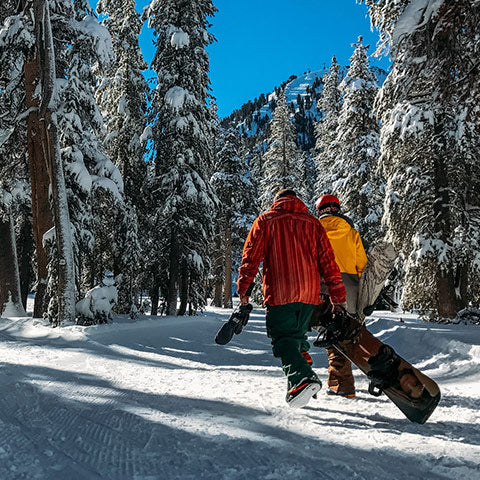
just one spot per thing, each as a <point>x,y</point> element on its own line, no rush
<point>296,253</point>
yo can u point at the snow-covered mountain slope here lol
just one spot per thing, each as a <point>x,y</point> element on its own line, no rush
<point>302,92</point>
<point>156,399</point>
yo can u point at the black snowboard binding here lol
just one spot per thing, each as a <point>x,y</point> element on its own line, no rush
<point>385,298</point>
<point>238,319</point>
<point>335,327</point>
<point>384,370</point>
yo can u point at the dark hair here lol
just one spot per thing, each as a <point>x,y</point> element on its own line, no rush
<point>283,193</point>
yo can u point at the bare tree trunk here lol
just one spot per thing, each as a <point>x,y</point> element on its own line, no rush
<point>218,272</point>
<point>155,296</point>
<point>25,254</point>
<point>227,291</point>
<point>184,279</point>
<point>449,300</point>
<point>39,178</point>
<point>9,276</point>
<point>173,276</point>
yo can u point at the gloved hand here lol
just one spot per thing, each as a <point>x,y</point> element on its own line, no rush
<point>339,307</point>
<point>244,299</point>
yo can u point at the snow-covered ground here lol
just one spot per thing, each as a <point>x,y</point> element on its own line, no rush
<point>157,399</point>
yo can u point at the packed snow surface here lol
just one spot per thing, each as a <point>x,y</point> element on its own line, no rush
<point>156,398</point>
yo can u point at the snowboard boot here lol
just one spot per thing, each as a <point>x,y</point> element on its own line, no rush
<point>299,395</point>
<point>307,357</point>
<point>350,394</point>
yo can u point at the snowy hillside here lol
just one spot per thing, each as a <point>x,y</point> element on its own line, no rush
<point>252,118</point>
<point>156,399</point>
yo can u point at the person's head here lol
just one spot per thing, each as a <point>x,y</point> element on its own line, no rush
<point>327,204</point>
<point>284,193</point>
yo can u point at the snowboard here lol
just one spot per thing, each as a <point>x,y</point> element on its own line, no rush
<point>414,393</point>
<point>238,319</point>
<point>380,263</point>
<point>234,325</point>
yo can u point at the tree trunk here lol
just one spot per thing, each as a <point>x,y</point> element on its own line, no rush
<point>173,275</point>
<point>63,233</point>
<point>25,254</point>
<point>227,291</point>
<point>155,297</point>
<point>51,151</point>
<point>449,300</point>
<point>218,272</point>
<point>9,275</point>
<point>217,294</point>
<point>184,278</point>
<point>39,178</point>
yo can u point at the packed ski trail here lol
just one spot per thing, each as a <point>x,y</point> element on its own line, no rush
<point>157,399</point>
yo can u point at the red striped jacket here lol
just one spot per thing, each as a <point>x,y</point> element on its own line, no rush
<point>296,253</point>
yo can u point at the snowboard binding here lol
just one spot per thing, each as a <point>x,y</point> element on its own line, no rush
<point>383,370</point>
<point>335,327</point>
<point>385,298</point>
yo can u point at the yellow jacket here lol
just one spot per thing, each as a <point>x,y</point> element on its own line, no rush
<point>346,243</point>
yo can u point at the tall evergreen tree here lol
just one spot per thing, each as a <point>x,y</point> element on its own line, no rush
<point>282,162</point>
<point>325,131</point>
<point>232,188</point>
<point>12,135</point>
<point>122,96</point>
<point>61,43</point>
<point>430,143</point>
<point>359,186</point>
<point>183,144</point>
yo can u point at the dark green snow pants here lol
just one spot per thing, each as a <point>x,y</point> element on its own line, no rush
<point>287,326</point>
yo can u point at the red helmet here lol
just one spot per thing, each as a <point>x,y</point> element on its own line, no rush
<point>327,201</point>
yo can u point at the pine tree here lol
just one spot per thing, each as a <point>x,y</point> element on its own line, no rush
<point>430,142</point>
<point>122,95</point>
<point>282,162</point>
<point>183,148</point>
<point>20,123</point>
<point>15,37</point>
<point>325,131</point>
<point>35,64</point>
<point>232,188</point>
<point>358,185</point>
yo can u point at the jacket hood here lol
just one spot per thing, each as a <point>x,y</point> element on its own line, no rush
<point>289,203</point>
<point>336,227</point>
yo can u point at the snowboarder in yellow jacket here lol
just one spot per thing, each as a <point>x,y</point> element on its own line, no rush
<point>351,260</point>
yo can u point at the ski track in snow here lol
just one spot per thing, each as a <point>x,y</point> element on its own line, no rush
<point>157,399</point>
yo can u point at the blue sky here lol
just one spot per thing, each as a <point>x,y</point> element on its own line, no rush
<point>260,43</point>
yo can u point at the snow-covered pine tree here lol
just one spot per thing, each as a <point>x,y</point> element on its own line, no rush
<point>282,162</point>
<point>325,131</point>
<point>183,145</point>
<point>232,187</point>
<point>358,185</point>
<point>35,65</point>
<point>64,295</point>
<point>122,95</point>
<point>430,143</point>
<point>306,189</point>
<point>83,44</point>
<point>15,37</point>
<point>77,42</point>
<point>19,76</point>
